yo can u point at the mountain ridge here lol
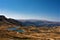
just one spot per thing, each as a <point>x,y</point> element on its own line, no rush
<point>37,23</point>
<point>10,21</point>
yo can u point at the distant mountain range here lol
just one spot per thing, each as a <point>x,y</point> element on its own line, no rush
<point>37,23</point>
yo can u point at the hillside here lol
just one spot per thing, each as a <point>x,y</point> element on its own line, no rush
<point>12,29</point>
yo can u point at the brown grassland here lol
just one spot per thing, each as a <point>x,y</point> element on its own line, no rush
<point>30,33</point>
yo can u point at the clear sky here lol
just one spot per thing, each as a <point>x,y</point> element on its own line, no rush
<point>31,9</point>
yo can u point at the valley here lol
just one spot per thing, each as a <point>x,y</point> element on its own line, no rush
<point>11,29</point>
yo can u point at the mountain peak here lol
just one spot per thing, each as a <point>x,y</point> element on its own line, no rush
<point>11,21</point>
<point>2,17</point>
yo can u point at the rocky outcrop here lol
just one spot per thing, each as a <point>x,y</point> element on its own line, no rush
<point>2,18</point>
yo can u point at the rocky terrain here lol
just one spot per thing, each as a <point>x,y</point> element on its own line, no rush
<point>11,29</point>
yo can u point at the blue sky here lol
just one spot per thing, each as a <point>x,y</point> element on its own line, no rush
<point>31,9</point>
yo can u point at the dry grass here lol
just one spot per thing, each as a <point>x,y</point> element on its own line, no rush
<point>31,33</point>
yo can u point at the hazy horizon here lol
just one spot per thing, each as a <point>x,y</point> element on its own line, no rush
<point>31,9</point>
